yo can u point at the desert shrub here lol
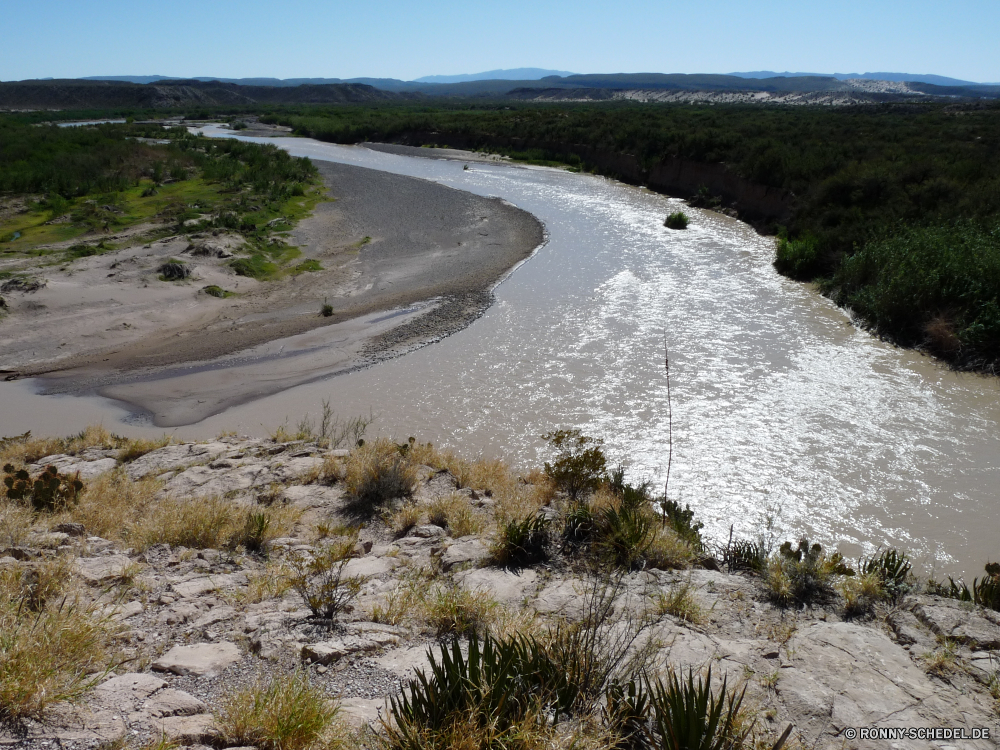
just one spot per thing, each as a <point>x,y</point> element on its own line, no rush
<point>803,575</point>
<point>744,555</point>
<point>214,290</point>
<point>861,593</point>
<point>377,472</point>
<point>282,712</point>
<point>676,220</point>
<point>175,270</point>
<point>682,521</point>
<point>48,491</point>
<point>326,311</point>
<point>580,462</point>
<point>319,579</point>
<point>625,532</point>
<point>521,542</point>
<point>667,550</point>
<point>984,592</point>
<point>15,523</point>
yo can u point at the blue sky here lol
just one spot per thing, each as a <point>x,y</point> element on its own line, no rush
<point>396,39</point>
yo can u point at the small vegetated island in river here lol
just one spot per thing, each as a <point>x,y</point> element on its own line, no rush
<point>893,209</point>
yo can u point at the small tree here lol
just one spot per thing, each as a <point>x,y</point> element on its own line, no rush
<point>580,465</point>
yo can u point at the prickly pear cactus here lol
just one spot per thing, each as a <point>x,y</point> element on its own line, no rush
<point>49,491</point>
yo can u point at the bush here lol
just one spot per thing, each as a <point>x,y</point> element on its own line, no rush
<point>892,569</point>
<point>682,521</point>
<point>284,712</point>
<point>175,270</point>
<point>798,259</point>
<point>213,290</point>
<point>745,555</point>
<point>377,472</point>
<point>676,220</point>
<point>580,464</point>
<point>451,610</point>
<point>319,579</point>
<point>803,575</point>
<point>984,592</point>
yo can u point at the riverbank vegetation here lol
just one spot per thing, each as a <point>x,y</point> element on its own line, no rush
<point>91,183</point>
<point>912,190</point>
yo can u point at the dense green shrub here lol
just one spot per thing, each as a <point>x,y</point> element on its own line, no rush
<point>521,541</point>
<point>676,220</point>
<point>935,286</point>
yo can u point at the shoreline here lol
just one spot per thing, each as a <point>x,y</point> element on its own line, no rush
<point>386,242</point>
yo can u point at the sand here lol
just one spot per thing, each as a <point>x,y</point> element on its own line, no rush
<point>406,262</point>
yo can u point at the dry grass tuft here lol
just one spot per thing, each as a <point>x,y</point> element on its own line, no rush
<point>283,712</point>
<point>455,513</point>
<point>15,522</point>
<point>451,610</point>
<point>112,503</point>
<point>667,550</point>
<point>377,472</point>
<point>209,523</point>
<point>405,518</point>
<point>680,601</point>
<point>138,447</point>
<point>51,649</point>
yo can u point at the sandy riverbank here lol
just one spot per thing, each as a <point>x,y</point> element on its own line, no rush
<point>426,253</point>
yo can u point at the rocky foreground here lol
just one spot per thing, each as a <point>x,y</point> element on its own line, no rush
<point>190,625</point>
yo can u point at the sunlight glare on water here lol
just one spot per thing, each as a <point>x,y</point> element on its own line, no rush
<point>781,407</point>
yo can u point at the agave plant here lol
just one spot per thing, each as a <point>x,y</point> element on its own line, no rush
<point>688,715</point>
<point>892,568</point>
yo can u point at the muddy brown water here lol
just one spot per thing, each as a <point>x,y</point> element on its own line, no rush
<point>785,415</point>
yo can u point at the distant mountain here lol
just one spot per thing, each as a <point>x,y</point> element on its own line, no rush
<point>898,77</point>
<point>512,74</point>
<point>190,93</point>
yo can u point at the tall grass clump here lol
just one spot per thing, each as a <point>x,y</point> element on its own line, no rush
<point>281,712</point>
<point>376,472</point>
<point>53,648</point>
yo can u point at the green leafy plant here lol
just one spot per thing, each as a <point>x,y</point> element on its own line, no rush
<point>214,290</point>
<point>744,555</point>
<point>676,220</point>
<point>984,592</point>
<point>580,464</point>
<point>49,491</point>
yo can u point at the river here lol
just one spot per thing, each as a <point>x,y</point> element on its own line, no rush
<point>784,413</point>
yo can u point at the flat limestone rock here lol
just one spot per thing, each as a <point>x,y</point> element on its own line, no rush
<point>72,465</point>
<point>173,457</point>
<point>360,712</point>
<point>972,626</point>
<point>506,586</point>
<point>200,585</point>
<point>847,675</point>
<point>312,495</point>
<point>101,569</point>
<point>189,730</point>
<point>134,685</point>
<point>563,598</point>
<point>216,614</point>
<point>173,703</point>
<point>464,552</point>
<point>330,651</point>
<point>199,659</point>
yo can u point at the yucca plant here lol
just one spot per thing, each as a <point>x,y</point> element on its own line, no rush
<point>984,592</point>
<point>498,687</point>
<point>626,714</point>
<point>688,715</point>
